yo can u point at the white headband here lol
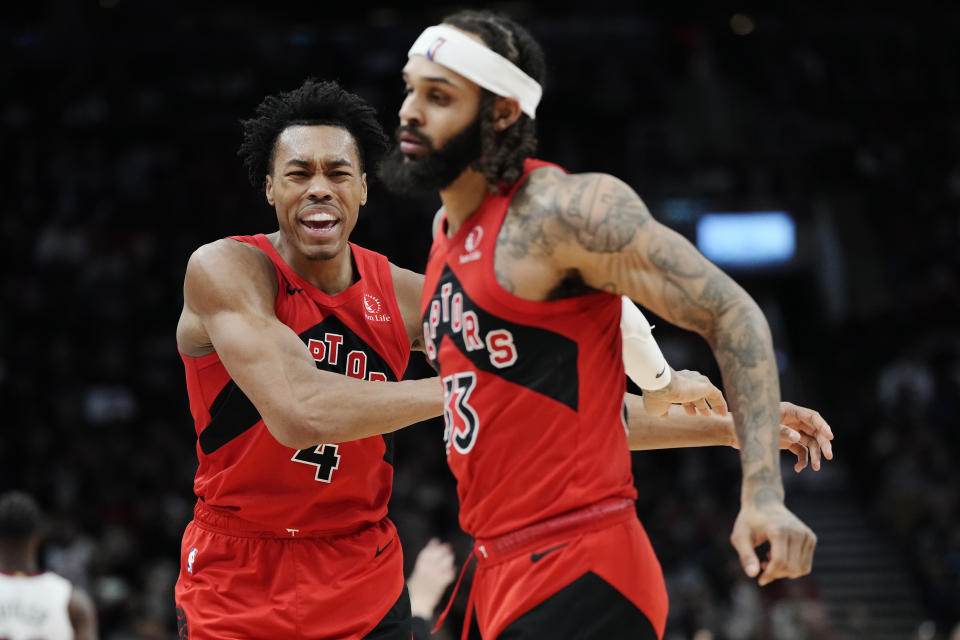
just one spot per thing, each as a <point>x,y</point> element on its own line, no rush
<point>462,54</point>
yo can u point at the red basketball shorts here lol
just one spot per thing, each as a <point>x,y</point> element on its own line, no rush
<point>236,583</point>
<point>591,573</point>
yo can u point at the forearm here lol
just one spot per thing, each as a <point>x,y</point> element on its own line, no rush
<point>678,429</point>
<point>744,350</point>
<point>349,409</point>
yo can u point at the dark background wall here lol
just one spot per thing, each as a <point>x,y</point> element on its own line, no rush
<point>118,131</point>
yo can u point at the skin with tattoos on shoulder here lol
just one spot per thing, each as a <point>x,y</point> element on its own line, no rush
<point>566,235</point>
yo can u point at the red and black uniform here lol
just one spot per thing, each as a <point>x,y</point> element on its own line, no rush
<point>287,543</point>
<point>536,437</point>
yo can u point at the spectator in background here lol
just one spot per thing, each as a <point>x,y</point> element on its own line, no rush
<point>36,604</point>
<point>432,573</point>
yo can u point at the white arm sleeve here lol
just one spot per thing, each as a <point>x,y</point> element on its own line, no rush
<point>642,358</point>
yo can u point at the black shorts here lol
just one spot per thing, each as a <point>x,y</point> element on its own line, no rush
<point>396,625</point>
<point>587,608</point>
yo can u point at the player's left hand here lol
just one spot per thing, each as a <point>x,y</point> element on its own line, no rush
<point>791,541</point>
<point>691,389</point>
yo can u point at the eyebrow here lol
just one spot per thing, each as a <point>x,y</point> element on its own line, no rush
<point>332,162</point>
<point>438,79</point>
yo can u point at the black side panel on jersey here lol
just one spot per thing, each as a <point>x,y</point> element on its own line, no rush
<point>232,413</point>
<point>546,361</point>
<point>588,607</point>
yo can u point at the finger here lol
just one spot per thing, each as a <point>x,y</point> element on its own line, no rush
<point>690,408</point>
<point>788,436</point>
<point>810,544</point>
<point>800,560</point>
<point>748,557</point>
<point>717,402</point>
<point>807,420</point>
<point>702,407</point>
<point>814,448</point>
<point>801,452</point>
<point>778,564</point>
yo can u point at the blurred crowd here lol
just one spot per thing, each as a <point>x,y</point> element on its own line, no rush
<point>119,126</point>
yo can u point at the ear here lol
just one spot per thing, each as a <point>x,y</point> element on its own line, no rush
<point>506,111</point>
<point>363,187</point>
<point>269,189</point>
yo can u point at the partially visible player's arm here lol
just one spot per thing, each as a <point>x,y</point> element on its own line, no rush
<point>649,370</point>
<point>83,615</point>
<point>605,233</point>
<point>802,431</point>
<point>229,296</point>
<point>408,286</point>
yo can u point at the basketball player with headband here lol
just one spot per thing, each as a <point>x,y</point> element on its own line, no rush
<point>521,310</point>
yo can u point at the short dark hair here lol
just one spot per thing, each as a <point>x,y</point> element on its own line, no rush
<point>313,103</point>
<point>20,516</point>
<point>504,151</point>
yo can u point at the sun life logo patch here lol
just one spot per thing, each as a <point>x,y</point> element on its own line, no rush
<point>373,308</point>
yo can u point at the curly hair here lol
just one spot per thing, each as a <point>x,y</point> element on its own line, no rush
<point>504,151</point>
<point>313,103</point>
<point>19,516</point>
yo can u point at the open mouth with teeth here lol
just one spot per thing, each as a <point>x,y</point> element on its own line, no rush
<point>320,223</point>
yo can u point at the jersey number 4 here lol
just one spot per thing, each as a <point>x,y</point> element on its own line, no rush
<point>323,456</point>
<point>460,419</point>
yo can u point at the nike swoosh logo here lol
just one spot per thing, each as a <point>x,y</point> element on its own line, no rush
<point>291,290</point>
<point>379,550</point>
<point>536,557</point>
<point>662,371</point>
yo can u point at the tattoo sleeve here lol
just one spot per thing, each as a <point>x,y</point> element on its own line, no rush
<point>618,247</point>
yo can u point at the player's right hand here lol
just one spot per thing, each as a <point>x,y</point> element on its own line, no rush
<point>791,542</point>
<point>691,389</point>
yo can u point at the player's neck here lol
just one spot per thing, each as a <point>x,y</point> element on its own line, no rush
<point>17,560</point>
<point>463,197</point>
<point>332,276</point>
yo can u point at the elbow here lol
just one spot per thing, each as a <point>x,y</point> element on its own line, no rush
<point>742,313</point>
<point>299,431</point>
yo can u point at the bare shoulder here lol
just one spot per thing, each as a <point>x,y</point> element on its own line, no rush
<point>408,286</point>
<point>595,212</point>
<point>437,221</point>
<point>220,271</point>
<point>224,275</point>
<point>602,212</point>
<point>83,615</point>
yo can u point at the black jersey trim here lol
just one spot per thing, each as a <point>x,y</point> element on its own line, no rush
<point>233,414</point>
<point>546,360</point>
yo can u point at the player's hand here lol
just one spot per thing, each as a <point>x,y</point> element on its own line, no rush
<point>691,389</point>
<point>804,432</point>
<point>432,572</point>
<point>791,542</point>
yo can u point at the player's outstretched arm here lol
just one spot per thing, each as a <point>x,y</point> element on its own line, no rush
<point>229,294</point>
<point>802,431</point>
<point>604,232</point>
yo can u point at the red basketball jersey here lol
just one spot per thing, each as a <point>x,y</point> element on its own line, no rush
<point>331,487</point>
<point>533,390</point>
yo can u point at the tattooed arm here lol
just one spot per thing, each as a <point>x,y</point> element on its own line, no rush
<point>598,228</point>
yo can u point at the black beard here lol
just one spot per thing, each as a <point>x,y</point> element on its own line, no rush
<point>437,169</point>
